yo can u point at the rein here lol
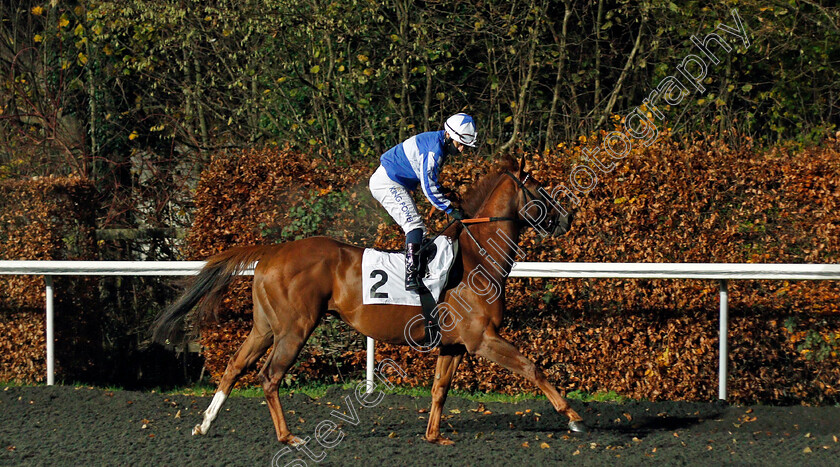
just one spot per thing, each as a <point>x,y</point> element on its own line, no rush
<point>481,220</point>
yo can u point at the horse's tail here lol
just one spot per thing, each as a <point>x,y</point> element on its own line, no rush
<point>206,290</point>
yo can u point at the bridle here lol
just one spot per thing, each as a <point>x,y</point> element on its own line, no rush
<point>529,196</point>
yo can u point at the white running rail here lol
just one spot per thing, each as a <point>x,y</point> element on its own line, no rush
<point>716,271</point>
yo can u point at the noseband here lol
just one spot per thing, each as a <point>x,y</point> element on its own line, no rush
<point>530,196</point>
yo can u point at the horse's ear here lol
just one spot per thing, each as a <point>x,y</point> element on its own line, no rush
<point>521,165</point>
<point>507,163</point>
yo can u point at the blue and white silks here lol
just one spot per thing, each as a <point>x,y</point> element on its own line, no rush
<point>418,160</point>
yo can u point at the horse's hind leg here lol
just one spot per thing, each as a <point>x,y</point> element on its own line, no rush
<point>500,351</point>
<point>249,352</point>
<point>284,353</point>
<point>447,365</point>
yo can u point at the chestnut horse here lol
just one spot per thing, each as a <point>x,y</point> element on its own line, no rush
<point>297,283</point>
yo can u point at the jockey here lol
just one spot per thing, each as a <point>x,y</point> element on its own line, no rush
<point>418,160</point>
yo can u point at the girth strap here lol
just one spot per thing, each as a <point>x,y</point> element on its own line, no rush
<point>430,319</point>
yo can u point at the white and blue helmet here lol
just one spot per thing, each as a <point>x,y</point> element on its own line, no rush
<point>461,128</point>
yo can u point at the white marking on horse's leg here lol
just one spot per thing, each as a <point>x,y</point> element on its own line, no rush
<point>210,414</point>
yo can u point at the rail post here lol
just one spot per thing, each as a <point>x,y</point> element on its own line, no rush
<point>723,351</point>
<point>369,379</point>
<point>50,332</point>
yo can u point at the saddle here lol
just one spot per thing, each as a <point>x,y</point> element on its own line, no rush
<point>383,273</point>
<point>383,279</point>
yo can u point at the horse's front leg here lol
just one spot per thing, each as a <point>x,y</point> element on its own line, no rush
<point>500,351</point>
<point>447,364</point>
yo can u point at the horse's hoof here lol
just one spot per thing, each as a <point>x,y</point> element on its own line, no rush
<point>197,430</point>
<point>295,442</point>
<point>291,440</point>
<point>441,441</point>
<point>578,427</point>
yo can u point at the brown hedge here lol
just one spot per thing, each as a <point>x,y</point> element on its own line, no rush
<point>700,201</point>
<point>245,198</point>
<point>43,218</point>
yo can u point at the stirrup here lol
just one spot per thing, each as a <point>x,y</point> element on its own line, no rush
<point>411,281</point>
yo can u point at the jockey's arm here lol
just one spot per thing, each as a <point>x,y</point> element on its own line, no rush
<point>431,186</point>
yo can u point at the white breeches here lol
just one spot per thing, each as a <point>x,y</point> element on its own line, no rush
<point>396,200</point>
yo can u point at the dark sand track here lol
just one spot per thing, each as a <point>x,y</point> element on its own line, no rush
<point>79,426</point>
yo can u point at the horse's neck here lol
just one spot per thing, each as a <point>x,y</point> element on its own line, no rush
<point>505,209</point>
<point>498,238</point>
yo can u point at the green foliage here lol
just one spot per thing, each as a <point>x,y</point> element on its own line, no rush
<point>308,217</point>
<point>350,78</point>
<point>607,396</point>
<point>816,347</point>
<point>317,390</point>
<point>813,344</point>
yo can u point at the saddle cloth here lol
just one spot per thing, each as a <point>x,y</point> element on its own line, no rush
<point>383,274</point>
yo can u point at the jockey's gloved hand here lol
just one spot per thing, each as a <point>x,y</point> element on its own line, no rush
<point>457,214</point>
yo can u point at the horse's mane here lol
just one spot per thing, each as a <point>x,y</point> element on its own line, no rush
<point>480,190</point>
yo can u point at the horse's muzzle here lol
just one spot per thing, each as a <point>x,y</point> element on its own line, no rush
<point>561,224</point>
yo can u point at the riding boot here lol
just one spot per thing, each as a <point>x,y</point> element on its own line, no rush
<point>412,264</point>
